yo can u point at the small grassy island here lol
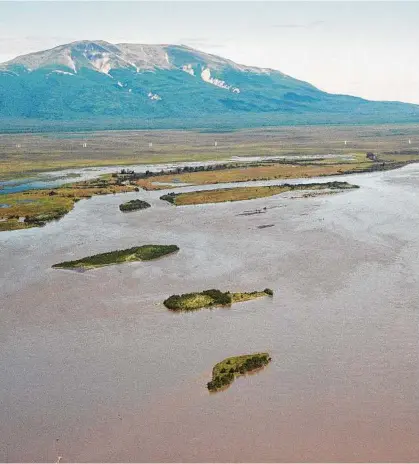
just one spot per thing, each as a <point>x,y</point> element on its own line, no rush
<point>210,298</point>
<point>134,205</point>
<point>142,253</point>
<point>249,193</point>
<point>224,372</point>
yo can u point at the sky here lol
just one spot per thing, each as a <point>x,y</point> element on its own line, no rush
<point>367,49</point>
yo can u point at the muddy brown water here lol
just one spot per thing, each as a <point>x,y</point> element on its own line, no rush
<point>94,368</point>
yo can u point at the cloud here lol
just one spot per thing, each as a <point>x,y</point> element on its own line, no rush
<point>310,25</point>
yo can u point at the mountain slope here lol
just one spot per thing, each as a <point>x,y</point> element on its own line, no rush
<point>97,81</point>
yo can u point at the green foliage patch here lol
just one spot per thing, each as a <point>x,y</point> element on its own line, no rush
<point>134,205</point>
<point>142,253</point>
<point>224,372</point>
<point>209,298</point>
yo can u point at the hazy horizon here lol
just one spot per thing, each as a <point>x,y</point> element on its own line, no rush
<point>367,49</point>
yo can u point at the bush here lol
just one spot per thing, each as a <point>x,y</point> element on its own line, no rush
<point>170,197</point>
<point>134,205</point>
<point>268,291</point>
<point>218,296</point>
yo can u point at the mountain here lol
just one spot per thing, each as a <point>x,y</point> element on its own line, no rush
<point>91,84</point>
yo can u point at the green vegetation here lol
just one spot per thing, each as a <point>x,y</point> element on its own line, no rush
<point>210,298</point>
<point>134,205</point>
<point>170,197</point>
<point>34,208</point>
<point>224,372</point>
<point>51,151</point>
<point>248,193</point>
<point>142,253</point>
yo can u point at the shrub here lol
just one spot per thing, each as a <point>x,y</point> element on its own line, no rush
<point>134,205</point>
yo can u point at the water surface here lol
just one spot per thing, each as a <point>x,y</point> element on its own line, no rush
<point>94,368</point>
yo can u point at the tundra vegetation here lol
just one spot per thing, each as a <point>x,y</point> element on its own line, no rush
<point>27,153</point>
<point>249,193</point>
<point>224,372</point>
<point>141,253</point>
<point>210,298</point>
<point>134,205</point>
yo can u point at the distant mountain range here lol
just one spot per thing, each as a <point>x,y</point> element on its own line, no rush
<point>96,84</point>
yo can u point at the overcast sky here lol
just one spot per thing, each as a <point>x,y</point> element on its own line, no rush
<point>369,49</point>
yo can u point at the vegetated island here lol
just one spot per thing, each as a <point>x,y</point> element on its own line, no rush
<point>224,372</point>
<point>35,208</point>
<point>249,193</point>
<point>210,298</point>
<point>141,253</point>
<point>269,169</point>
<point>134,205</point>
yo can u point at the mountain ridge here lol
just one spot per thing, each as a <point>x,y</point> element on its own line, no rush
<point>148,83</point>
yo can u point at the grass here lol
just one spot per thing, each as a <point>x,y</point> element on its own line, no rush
<point>247,193</point>
<point>35,208</point>
<point>255,173</point>
<point>134,205</point>
<point>210,298</point>
<point>224,372</point>
<point>51,151</point>
<point>142,253</point>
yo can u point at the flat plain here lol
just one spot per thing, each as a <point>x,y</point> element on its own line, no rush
<point>28,154</point>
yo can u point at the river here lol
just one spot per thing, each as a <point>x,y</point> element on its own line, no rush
<point>94,368</point>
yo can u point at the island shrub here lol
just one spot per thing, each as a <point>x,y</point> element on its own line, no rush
<point>134,205</point>
<point>221,298</point>
<point>170,197</point>
<point>198,300</point>
<point>268,291</point>
<point>222,377</point>
<point>142,253</point>
<point>209,298</point>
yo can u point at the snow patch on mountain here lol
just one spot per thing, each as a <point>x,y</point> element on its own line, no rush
<point>68,61</point>
<point>188,69</point>
<point>154,96</point>
<point>57,71</point>
<point>101,63</point>
<point>206,77</point>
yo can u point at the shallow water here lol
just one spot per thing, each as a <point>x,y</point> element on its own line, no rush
<point>94,368</point>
